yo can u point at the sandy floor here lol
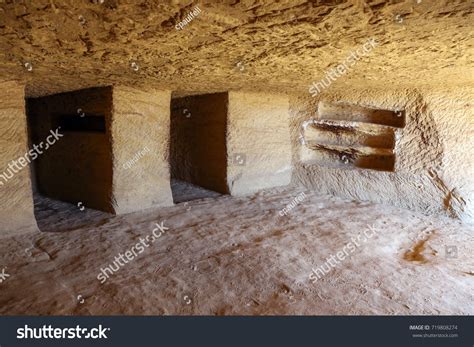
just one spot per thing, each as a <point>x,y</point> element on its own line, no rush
<point>228,256</point>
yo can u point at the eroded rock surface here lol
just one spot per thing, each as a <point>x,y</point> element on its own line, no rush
<point>249,45</point>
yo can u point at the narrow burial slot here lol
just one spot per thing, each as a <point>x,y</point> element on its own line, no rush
<point>77,166</point>
<point>198,153</point>
<point>376,161</point>
<point>350,134</point>
<point>380,159</point>
<point>357,113</point>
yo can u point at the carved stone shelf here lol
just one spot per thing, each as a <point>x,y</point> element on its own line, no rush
<point>350,136</point>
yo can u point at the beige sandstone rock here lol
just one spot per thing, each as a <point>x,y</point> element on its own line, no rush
<point>16,197</point>
<point>258,142</point>
<point>258,54</point>
<point>225,103</point>
<point>140,123</point>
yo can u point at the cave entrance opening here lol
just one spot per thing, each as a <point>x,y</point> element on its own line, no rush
<point>198,154</point>
<point>71,162</point>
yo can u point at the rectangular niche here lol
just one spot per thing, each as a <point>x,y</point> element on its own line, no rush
<point>78,168</point>
<point>198,144</point>
<point>351,136</point>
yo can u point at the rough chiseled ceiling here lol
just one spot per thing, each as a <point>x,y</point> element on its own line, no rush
<point>232,45</point>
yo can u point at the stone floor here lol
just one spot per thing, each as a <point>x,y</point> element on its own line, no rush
<point>224,255</point>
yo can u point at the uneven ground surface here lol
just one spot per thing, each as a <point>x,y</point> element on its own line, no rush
<point>230,256</point>
<point>60,45</point>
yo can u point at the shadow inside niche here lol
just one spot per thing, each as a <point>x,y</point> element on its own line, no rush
<point>185,191</point>
<point>59,216</point>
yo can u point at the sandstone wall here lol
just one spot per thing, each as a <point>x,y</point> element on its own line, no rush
<point>140,124</point>
<point>16,198</point>
<point>78,168</point>
<point>433,170</point>
<point>198,140</point>
<point>258,142</point>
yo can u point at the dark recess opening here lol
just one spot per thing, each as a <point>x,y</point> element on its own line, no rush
<point>198,154</point>
<point>72,176</point>
<point>88,123</point>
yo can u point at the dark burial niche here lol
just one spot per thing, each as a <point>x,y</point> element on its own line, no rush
<point>76,123</point>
